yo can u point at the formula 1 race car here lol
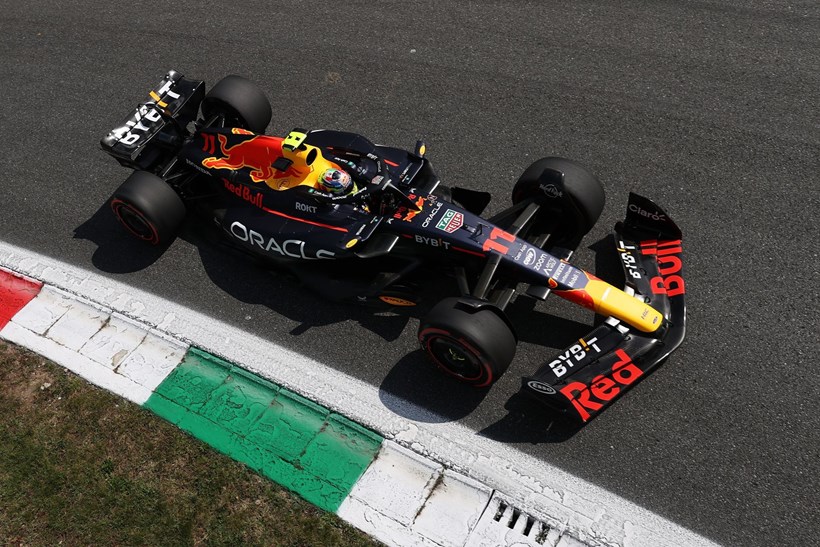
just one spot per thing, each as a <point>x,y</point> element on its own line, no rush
<point>205,154</point>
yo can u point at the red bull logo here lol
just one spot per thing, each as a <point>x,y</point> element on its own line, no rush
<point>412,214</point>
<point>257,153</point>
<point>407,214</point>
<point>254,198</point>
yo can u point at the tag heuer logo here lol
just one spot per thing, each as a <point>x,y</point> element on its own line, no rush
<point>450,221</point>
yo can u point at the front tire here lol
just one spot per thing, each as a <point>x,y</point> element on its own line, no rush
<point>473,344</point>
<point>572,197</point>
<point>240,101</point>
<point>148,208</point>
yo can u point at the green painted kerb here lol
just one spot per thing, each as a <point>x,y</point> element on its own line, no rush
<point>295,442</point>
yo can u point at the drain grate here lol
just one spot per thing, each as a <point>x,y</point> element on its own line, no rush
<point>521,522</point>
<point>504,525</point>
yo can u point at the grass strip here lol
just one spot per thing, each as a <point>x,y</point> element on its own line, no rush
<point>79,465</point>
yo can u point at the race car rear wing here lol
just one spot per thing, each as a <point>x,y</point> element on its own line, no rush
<point>157,127</point>
<point>598,368</point>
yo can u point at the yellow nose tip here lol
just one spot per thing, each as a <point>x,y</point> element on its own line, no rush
<point>612,301</point>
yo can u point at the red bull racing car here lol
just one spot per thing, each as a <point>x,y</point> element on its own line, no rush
<point>205,155</point>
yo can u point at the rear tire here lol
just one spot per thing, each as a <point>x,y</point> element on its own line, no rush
<point>241,102</point>
<point>577,214</point>
<point>474,345</point>
<point>148,208</point>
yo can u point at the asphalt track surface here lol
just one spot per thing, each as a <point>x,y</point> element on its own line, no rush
<point>709,107</point>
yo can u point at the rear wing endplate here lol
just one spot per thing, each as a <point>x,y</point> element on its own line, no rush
<point>157,125</point>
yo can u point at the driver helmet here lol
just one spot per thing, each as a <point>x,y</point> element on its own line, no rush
<point>335,181</point>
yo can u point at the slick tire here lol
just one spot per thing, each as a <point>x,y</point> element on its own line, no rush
<point>241,102</point>
<point>475,345</point>
<point>148,208</point>
<point>578,211</point>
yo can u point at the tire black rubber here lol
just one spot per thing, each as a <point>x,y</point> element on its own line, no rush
<point>241,101</point>
<point>475,346</point>
<point>148,208</point>
<point>584,189</point>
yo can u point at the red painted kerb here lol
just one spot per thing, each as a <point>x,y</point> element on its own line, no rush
<point>15,292</point>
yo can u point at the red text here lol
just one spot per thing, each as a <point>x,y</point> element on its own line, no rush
<point>669,265</point>
<point>592,398</point>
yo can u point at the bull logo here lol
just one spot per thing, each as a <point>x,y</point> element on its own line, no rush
<point>258,153</point>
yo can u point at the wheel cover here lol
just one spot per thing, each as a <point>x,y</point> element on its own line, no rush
<point>456,358</point>
<point>135,222</point>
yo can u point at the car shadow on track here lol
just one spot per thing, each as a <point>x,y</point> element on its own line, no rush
<point>528,421</point>
<point>283,293</point>
<point>117,252</point>
<point>441,399</point>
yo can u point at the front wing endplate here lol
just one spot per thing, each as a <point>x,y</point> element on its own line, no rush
<point>598,368</point>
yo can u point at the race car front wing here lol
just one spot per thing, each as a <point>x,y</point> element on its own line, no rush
<point>598,368</point>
